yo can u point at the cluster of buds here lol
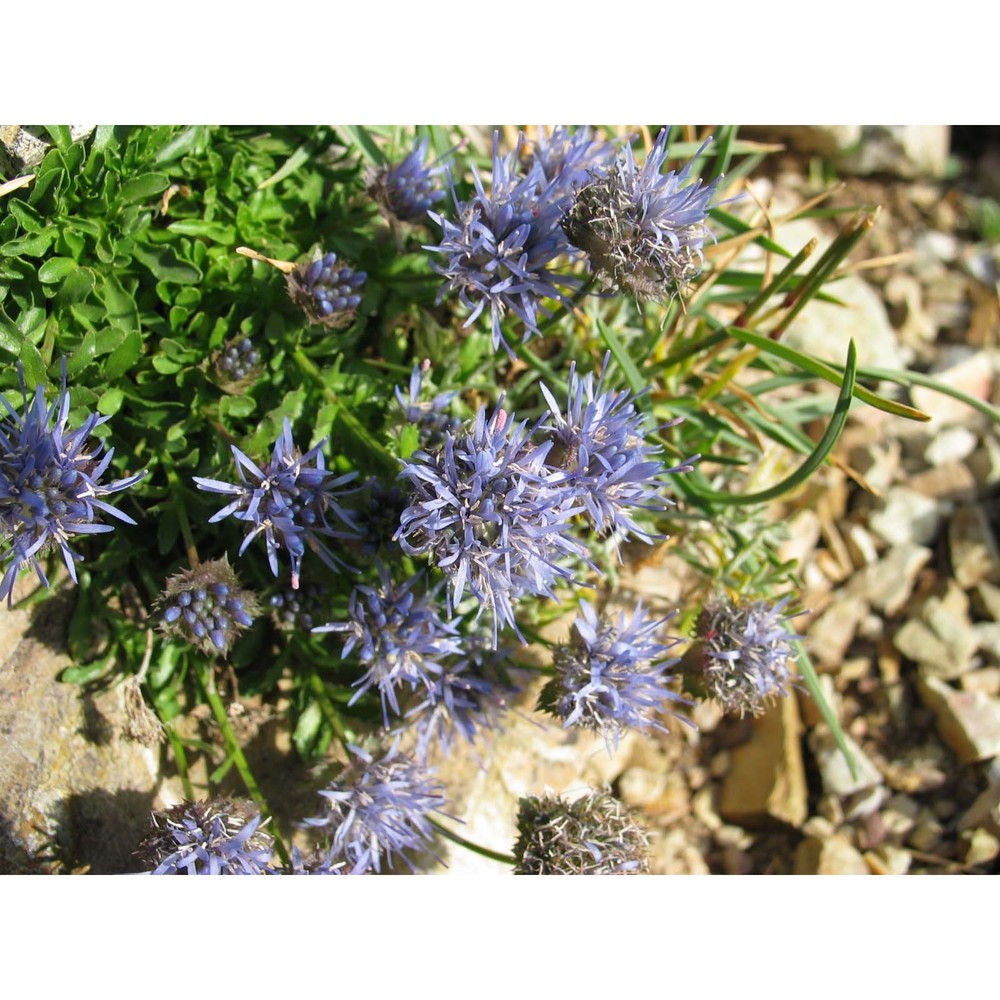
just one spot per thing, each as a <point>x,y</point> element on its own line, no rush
<point>206,606</point>
<point>328,292</point>
<point>237,364</point>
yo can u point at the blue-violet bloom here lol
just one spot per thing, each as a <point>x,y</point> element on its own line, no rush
<point>643,230</point>
<point>489,512</point>
<point>378,809</point>
<point>613,676</point>
<point>499,251</point>
<point>328,292</point>
<point>50,483</point>
<point>600,444</point>
<point>287,502</point>
<point>217,837</point>
<point>406,190</point>
<point>399,637</point>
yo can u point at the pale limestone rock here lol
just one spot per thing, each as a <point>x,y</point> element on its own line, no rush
<point>888,860</point>
<point>833,856</point>
<point>968,721</point>
<point>983,847</point>
<point>984,812</point>
<point>72,785</point>
<point>834,768</point>
<point>888,584</point>
<point>963,368</point>
<point>973,547</point>
<point>906,517</point>
<point>766,782</point>
<point>831,633</point>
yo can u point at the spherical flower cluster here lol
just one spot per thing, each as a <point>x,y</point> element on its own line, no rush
<point>206,606</point>
<point>491,515</point>
<point>643,230</point>
<point>406,190</point>
<point>50,483</point>
<point>600,443</point>
<point>217,837</point>
<point>378,809</point>
<point>592,836</point>
<point>499,250</point>
<point>469,696</point>
<point>237,364</point>
<point>287,502</point>
<point>398,636</point>
<point>613,676</point>
<point>745,651</point>
<point>294,610</point>
<point>328,292</point>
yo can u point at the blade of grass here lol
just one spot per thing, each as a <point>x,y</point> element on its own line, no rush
<point>811,681</point>
<point>819,453</point>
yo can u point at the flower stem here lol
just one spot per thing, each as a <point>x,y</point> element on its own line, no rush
<point>176,488</point>
<point>469,845</point>
<point>233,747</point>
<point>350,423</point>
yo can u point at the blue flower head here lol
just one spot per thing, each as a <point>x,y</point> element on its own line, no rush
<point>217,837</point>
<point>50,483</point>
<point>378,809</point>
<point>613,677</point>
<point>328,292</point>
<point>643,230</point>
<point>593,835</point>
<point>207,607</point>
<point>288,502</point>
<point>489,512</point>
<point>600,443</point>
<point>398,636</point>
<point>299,610</point>
<point>746,648</point>
<point>468,697</point>
<point>406,190</point>
<point>500,247</point>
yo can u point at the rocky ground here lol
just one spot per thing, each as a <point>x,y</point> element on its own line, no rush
<point>899,566</point>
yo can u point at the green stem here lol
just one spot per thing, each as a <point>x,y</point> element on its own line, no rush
<point>180,758</point>
<point>176,490</point>
<point>354,428</point>
<point>469,845</point>
<point>327,708</point>
<point>233,747</point>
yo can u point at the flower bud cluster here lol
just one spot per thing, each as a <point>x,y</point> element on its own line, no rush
<point>328,292</point>
<point>207,607</point>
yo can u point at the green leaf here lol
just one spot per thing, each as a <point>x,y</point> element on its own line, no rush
<point>237,406</point>
<point>299,158</point>
<point>218,232</point>
<point>34,366</point>
<point>307,730</point>
<point>60,136</point>
<point>811,681</point>
<point>87,672</point>
<point>409,440</point>
<point>814,461</point>
<point>83,355</point>
<point>824,371</point>
<point>30,218</point>
<point>367,146</point>
<point>120,306</point>
<point>35,245</point>
<point>124,356</point>
<point>143,188</point>
<point>635,381</point>
<point>110,402</point>
<point>165,264</point>
<point>55,269</point>
<point>77,286</point>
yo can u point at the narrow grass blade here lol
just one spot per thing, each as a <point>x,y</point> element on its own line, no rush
<point>811,681</point>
